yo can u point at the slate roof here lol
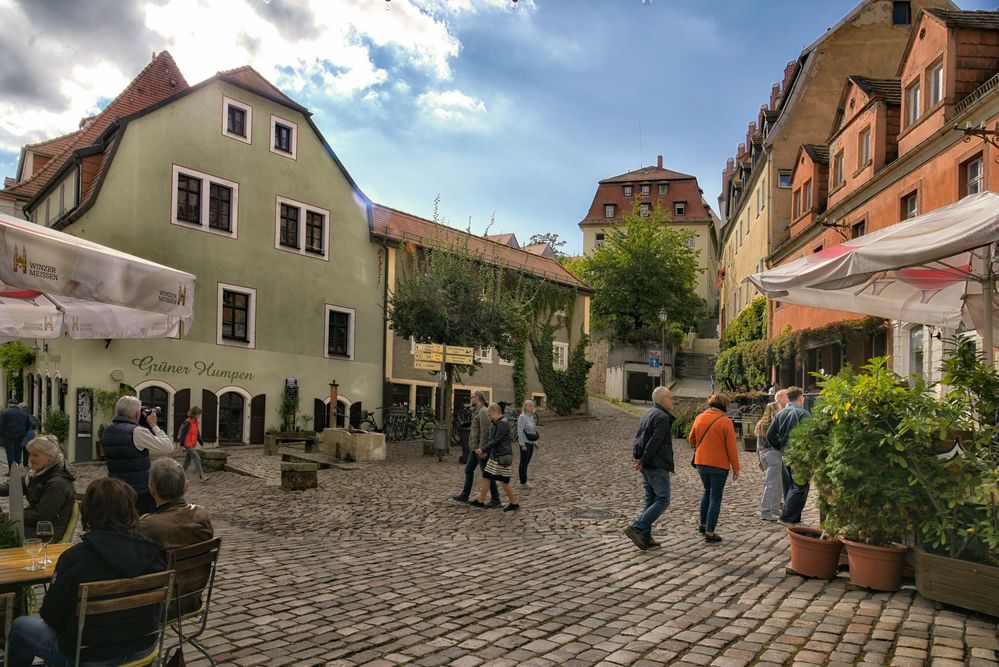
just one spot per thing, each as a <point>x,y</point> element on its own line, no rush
<point>890,90</point>
<point>391,224</point>
<point>819,154</point>
<point>648,174</point>
<point>974,20</point>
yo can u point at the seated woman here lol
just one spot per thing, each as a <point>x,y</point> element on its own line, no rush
<point>48,487</point>
<point>111,549</point>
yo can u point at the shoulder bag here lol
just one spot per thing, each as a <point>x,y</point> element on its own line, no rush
<point>694,455</point>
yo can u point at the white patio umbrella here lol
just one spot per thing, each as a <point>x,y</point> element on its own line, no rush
<point>932,269</point>
<point>53,283</point>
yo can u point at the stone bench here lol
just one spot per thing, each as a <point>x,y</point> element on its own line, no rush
<point>214,459</point>
<point>299,476</point>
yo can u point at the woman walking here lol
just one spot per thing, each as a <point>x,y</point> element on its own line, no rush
<point>713,437</point>
<point>527,436</point>
<point>189,437</point>
<point>499,467</point>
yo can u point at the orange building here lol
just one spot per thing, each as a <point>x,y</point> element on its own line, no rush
<point>896,150</point>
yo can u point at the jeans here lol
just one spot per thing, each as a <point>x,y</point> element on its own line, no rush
<point>525,460</point>
<point>656,485</point>
<point>713,480</point>
<point>471,464</point>
<point>191,454</point>
<point>773,488</point>
<point>794,502</point>
<point>31,637</point>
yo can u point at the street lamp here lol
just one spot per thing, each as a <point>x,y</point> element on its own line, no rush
<point>663,318</point>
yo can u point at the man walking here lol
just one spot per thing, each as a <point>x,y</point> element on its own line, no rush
<point>14,424</point>
<point>653,456</point>
<point>477,439</point>
<point>778,436</point>
<point>771,460</point>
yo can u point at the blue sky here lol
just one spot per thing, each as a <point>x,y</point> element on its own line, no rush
<point>506,112</point>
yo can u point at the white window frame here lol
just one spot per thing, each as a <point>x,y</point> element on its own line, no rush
<point>599,239</point>
<point>560,356</point>
<point>609,210</point>
<point>781,175</point>
<point>913,108</point>
<point>294,137</point>
<point>839,169</point>
<point>350,332</point>
<point>628,190</point>
<point>303,212</point>
<point>644,209</point>
<point>679,208</point>
<point>484,355</point>
<point>973,186</point>
<point>251,317</point>
<point>914,198</point>
<point>865,147</point>
<point>806,196</point>
<point>663,189</point>
<point>646,190</point>
<point>206,182</point>
<point>229,102</point>
<point>935,78</point>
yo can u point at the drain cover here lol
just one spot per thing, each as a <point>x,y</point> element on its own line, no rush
<point>593,513</point>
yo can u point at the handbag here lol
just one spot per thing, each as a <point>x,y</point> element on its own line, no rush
<point>505,459</point>
<point>532,437</point>
<point>694,455</point>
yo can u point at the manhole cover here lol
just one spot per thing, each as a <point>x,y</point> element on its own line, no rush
<point>598,514</point>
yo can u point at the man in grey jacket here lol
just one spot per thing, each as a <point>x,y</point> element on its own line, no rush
<point>478,438</point>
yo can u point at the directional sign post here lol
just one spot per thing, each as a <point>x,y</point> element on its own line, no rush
<point>435,357</point>
<point>655,363</point>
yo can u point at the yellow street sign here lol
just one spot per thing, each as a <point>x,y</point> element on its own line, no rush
<point>461,359</point>
<point>429,357</point>
<point>461,351</point>
<point>426,366</point>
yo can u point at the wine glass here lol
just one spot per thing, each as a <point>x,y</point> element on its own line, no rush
<point>45,533</point>
<point>33,547</point>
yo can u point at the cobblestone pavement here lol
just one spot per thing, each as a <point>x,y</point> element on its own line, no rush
<point>379,567</point>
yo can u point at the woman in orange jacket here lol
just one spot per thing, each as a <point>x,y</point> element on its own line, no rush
<point>713,439</point>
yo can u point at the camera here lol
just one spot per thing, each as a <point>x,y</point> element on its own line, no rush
<point>144,415</point>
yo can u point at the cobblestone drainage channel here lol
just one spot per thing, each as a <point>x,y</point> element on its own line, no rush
<point>593,513</point>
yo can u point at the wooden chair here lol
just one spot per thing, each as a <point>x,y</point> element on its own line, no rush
<point>117,595</point>
<point>74,519</point>
<point>7,612</point>
<point>195,580</point>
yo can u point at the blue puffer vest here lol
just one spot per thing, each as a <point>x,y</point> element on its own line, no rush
<point>125,462</point>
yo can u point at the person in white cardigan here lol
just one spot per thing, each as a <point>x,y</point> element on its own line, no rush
<point>527,436</point>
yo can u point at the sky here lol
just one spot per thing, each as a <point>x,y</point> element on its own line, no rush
<point>509,112</point>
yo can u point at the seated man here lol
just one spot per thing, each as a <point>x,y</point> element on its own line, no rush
<point>176,523</point>
<point>111,549</point>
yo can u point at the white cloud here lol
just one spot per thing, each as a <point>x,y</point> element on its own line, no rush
<point>451,105</point>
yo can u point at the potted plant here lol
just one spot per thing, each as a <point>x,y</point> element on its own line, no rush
<point>958,559</point>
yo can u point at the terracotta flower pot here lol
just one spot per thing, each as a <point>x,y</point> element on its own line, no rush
<point>877,568</point>
<point>811,555</point>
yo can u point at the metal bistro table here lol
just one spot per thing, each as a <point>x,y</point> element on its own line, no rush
<point>14,560</point>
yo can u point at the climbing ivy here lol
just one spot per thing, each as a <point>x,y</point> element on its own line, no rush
<point>565,389</point>
<point>520,376</point>
<point>751,324</point>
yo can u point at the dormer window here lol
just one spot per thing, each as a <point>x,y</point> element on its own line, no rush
<point>680,208</point>
<point>901,12</point>
<point>627,191</point>
<point>912,100</point>
<point>864,149</point>
<point>609,210</point>
<point>935,78</point>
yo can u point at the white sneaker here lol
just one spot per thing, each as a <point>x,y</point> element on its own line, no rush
<point>768,518</point>
<point>525,485</point>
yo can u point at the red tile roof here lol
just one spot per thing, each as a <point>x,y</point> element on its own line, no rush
<point>648,174</point>
<point>393,225</point>
<point>250,79</point>
<point>52,147</point>
<point>160,80</point>
<point>890,90</point>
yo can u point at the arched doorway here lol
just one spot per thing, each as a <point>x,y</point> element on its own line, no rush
<point>157,397</point>
<point>232,410</point>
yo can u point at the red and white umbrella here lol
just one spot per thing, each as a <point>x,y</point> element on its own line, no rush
<point>53,283</point>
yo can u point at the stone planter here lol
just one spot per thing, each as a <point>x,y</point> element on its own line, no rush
<point>358,446</point>
<point>957,582</point>
<point>213,459</point>
<point>299,476</point>
<point>812,556</point>
<point>877,568</point>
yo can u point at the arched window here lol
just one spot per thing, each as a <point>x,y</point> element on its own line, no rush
<point>916,343</point>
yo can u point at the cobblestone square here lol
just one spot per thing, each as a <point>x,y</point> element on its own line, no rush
<point>378,566</point>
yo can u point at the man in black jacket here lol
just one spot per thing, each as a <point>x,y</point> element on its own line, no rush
<point>14,423</point>
<point>653,456</point>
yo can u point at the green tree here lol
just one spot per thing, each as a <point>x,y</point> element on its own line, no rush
<point>642,267</point>
<point>552,240</point>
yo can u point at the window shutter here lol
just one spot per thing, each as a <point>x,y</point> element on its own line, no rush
<point>318,414</point>
<point>258,405</point>
<point>181,404</point>
<point>209,416</point>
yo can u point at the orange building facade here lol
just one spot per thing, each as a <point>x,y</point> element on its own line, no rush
<point>896,150</point>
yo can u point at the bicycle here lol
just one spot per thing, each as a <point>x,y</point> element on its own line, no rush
<point>404,425</point>
<point>368,423</point>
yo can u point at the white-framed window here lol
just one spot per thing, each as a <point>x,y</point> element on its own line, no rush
<point>783,179</point>
<point>864,148</point>
<point>936,81</point>
<point>599,239</point>
<point>644,209</point>
<point>609,210</point>
<point>237,119</point>
<point>912,102</point>
<point>627,191</point>
<point>301,228</point>
<point>484,355</point>
<point>540,400</point>
<point>839,177</point>
<point>284,137</point>
<point>692,242</point>
<point>917,342</point>
<point>679,208</point>
<point>204,202</point>
<point>663,189</point>
<point>910,206</point>
<point>339,340</point>
<point>973,176</point>
<point>646,190</point>
<point>560,356</point>
<point>237,316</point>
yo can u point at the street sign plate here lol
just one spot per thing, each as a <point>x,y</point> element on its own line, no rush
<point>462,359</point>
<point>429,357</point>
<point>462,351</point>
<point>426,366</point>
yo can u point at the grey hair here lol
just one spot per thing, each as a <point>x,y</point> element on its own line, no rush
<point>23,406</point>
<point>167,478</point>
<point>479,395</point>
<point>658,392</point>
<point>48,445</point>
<point>127,406</point>
<point>527,403</point>
<point>494,407</point>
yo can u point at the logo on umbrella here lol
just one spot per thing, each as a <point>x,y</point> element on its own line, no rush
<point>181,295</point>
<point>48,324</point>
<point>21,260</point>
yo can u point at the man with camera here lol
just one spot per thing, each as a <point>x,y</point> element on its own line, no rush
<point>133,433</point>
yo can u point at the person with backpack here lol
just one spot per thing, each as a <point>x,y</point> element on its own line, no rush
<point>189,437</point>
<point>713,438</point>
<point>778,436</point>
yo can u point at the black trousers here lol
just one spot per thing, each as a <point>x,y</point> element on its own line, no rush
<point>525,460</point>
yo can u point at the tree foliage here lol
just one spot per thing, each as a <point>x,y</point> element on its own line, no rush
<point>551,240</point>
<point>14,358</point>
<point>642,267</point>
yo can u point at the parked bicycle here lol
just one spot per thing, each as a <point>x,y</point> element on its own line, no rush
<point>399,424</point>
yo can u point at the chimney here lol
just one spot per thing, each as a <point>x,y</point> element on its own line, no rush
<point>774,96</point>
<point>659,162</point>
